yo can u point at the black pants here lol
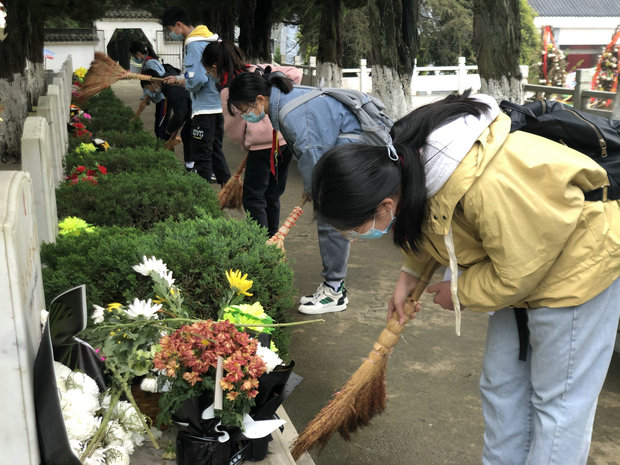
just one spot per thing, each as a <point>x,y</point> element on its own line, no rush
<point>186,137</point>
<point>161,120</point>
<point>207,135</point>
<point>261,190</point>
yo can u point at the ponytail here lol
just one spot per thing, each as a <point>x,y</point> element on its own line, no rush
<point>246,87</point>
<point>351,180</point>
<point>227,58</point>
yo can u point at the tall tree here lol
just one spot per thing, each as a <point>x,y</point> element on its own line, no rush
<point>329,59</point>
<point>394,46</point>
<point>256,19</point>
<point>497,37</point>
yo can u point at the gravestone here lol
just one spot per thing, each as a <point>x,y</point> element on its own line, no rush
<point>21,289</point>
<point>56,92</point>
<point>38,160</point>
<point>47,111</point>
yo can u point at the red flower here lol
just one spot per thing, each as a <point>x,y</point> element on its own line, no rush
<point>80,169</point>
<point>90,173</point>
<point>102,169</point>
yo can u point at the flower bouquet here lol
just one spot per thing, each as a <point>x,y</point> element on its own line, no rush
<point>82,173</point>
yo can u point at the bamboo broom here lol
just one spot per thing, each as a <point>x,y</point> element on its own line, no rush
<point>231,194</point>
<point>173,141</point>
<point>278,238</point>
<point>363,396</point>
<point>104,72</point>
<point>141,108</point>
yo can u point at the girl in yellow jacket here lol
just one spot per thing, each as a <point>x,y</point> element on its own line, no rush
<point>506,213</point>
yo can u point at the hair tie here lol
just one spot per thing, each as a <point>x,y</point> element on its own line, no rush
<point>391,151</point>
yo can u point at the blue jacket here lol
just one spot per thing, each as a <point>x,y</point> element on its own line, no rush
<point>312,128</point>
<point>156,66</point>
<point>205,96</point>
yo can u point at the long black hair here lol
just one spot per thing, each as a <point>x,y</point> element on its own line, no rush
<point>246,87</point>
<point>350,180</point>
<point>227,58</point>
<point>144,49</point>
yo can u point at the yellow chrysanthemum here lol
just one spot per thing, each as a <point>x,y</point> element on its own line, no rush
<point>240,284</point>
<point>113,305</point>
<point>80,72</point>
<point>73,226</point>
<point>248,314</point>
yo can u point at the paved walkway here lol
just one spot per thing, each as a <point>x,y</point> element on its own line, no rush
<point>433,413</point>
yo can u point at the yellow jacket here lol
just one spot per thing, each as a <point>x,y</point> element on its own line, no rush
<point>523,234</point>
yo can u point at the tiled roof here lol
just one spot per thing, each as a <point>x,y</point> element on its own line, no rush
<point>598,8</point>
<point>126,12</point>
<point>70,35</point>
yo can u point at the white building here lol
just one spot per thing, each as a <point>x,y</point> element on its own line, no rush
<point>581,28</point>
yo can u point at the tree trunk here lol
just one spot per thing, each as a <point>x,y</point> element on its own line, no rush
<point>497,38</point>
<point>21,75</point>
<point>255,23</point>
<point>221,21</point>
<point>329,59</point>
<point>394,46</point>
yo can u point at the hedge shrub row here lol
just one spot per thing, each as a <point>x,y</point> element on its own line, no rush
<point>130,160</point>
<point>109,113</point>
<point>198,251</point>
<point>137,199</point>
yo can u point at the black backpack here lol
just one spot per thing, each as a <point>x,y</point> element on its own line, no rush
<point>595,136</point>
<point>171,70</point>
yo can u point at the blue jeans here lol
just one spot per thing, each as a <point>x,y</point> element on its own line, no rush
<point>334,248</point>
<point>541,411</point>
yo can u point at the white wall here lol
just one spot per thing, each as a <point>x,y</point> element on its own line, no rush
<point>82,54</point>
<point>580,31</point>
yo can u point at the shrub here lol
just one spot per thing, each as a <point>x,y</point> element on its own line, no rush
<point>121,139</point>
<point>109,113</point>
<point>129,199</point>
<point>129,160</point>
<point>198,251</point>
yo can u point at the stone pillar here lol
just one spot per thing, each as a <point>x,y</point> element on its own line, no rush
<point>21,289</point>
<point>47,110</point>
<point>59,125</point>
<point>38,160</point>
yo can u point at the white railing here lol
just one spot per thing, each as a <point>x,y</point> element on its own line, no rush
<point>425,80</point>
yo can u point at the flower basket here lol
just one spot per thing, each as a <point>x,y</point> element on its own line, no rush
<point>148,402</point>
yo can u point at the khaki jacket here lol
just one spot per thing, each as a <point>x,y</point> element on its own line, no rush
<point>524,236</point>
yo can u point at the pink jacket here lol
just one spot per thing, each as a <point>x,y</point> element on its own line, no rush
<point>254,136</point>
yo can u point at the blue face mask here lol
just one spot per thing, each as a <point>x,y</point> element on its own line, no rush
<point>151,94</point>
<point>175,36</point>
<point>372,233</point>
<point>252,117</point>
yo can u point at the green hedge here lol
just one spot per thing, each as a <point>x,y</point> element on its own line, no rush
<point>137,199</point>
<point>131,160</point>
<point>198,252</point>
<point>121,139</point>
<point>109,113</point>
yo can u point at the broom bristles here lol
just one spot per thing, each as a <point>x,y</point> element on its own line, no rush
<point>361,398</point>
<point>231,195</point>
<point>364,394</point>
<point>102,73</point>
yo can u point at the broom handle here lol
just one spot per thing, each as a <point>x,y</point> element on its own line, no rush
<point>391,333</point>
<point>141,77</point>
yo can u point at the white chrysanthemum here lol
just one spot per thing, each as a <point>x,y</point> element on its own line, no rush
<point>77,447</point>
<point>149,384</point>
<point>115,456</point>
<point>127,416</point>
<point>118,438</point>
<point>168,278</point>
<point>75,402</point>
<point>144,308</point>
<point>270,358</point>
<point>61,372</point>
<point>81,427</point>
<point>85,383</point>
<point>97,314</point>
<point>151,264</point>
<point>44,315</point>
<point>98,458</point>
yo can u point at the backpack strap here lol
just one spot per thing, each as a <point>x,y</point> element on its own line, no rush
<point>298,101</point>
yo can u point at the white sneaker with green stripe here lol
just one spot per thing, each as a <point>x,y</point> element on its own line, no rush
<point>324,300</point>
